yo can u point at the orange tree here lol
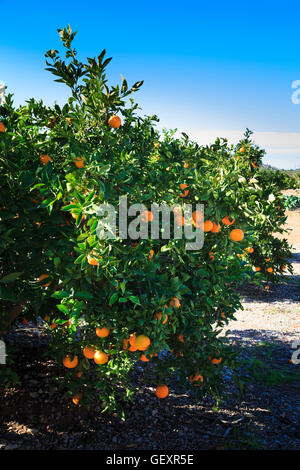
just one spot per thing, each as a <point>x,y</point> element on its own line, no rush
<point>109,303</point>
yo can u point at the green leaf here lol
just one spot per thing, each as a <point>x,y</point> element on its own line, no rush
<point>7,294</point>
<point>134,299</point>
<point>63,309</point>
<point>10,277</point>
<point>83,295</point>
<point>60,294</point>
<point>113,298</point>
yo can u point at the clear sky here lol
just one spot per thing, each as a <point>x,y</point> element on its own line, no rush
<point>210,68</point>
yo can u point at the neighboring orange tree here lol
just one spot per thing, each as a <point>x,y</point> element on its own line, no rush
<point>110,303</point>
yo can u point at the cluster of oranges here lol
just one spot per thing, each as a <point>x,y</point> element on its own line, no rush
<point>114,122</point>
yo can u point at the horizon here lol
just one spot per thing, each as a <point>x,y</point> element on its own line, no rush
<point>212,80</point>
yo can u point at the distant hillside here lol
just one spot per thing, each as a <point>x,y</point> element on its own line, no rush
<point>290,172</point>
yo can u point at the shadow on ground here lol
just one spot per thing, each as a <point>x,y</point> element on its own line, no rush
<point>36,415</point>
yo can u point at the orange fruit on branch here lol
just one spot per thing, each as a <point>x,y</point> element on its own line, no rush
<point>89,352</point>
<point>159,316</point>
<point>196,378</point>
<point>179,220</point>
<point>142,342</point>
<point>92,261</point>
<point>146,216</point>
<point>79,162</point>
<point>44,159</point>
<point>2,127</point>
<point>216,361</point>
<point>236,235</point>
<point>226,220</point>
<point>180,337</point>
<point>208,226</point>
<point>76,399</point>
<point>100,357</point>
<point>197,217</point>
<point>102,332</point>
<point>114,122</point>
<point>175,302</point>
<point>216,227</point>
<point>70,363</point>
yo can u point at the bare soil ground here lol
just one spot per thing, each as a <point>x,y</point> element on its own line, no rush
<point>34,414</point>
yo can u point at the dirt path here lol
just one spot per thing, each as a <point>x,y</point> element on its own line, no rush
<point>274,314</point>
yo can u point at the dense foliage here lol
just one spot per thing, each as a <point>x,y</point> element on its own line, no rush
<point>109,303</point>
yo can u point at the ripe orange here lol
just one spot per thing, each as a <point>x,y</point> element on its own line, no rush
<point>216,361</point>
<point>179,220</point>
<point>236,235</point>
<point>142,342</point>
<point>270,270</point>
<point>257,269</point>
<point>79,374</point>
<point>175,302</point>
<point>162,391</point>
<point>131,341</point>
<point>211,255</point>
<point>102,332</point>
<point>226,220</point>
<point>177,210</point>
<point>76,398</point>
<point>268,259</point>
<point>70,364</point>
<point>183,186</point>
<point>92,261</point>
<point>100,357</point>
<point>207,226</point>
<point>132,348</point>
<point>156,145</point>
<point>79,162</point>
<point>159,316</point>
<point>186,165</point>
<point>242,149</point>
<point>196,377</point>
<point>114,122</point>
<point>180,337</point>
<point>267,287</point>
<point>223,315</point>
<point>254,165</point>
<point>2,127</point>
<point>283,268</point>
<point>151,253</point>
<point>146,216</point>
<point>216,227</point>
<point>89,352</point>
<point>44,159</point>
<point>185,193</point>
<point>144,358</point>
<point>197,217</point>
<point>249,250</point>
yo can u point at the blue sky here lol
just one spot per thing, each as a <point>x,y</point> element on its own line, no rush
<point>210,68</point>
